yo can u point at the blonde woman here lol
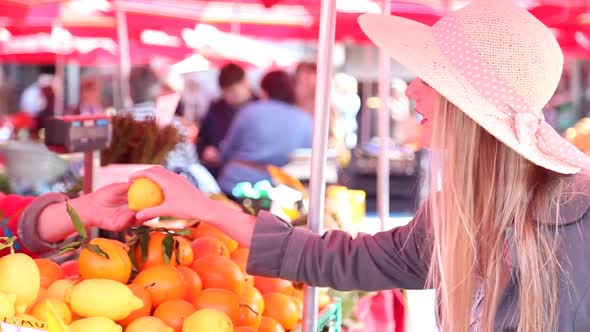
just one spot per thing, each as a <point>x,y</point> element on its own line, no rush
<point>505,241</point>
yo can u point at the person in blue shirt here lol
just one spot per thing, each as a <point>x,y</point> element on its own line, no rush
<point>263,133</point>
<point>236,93</point>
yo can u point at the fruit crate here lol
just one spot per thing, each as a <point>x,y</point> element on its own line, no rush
<point>330,319</point>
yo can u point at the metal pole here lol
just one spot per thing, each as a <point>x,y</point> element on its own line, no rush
<point>236,23</point>
<point>59,82</point>
<point>320,145</point>
<point>366,129</point>
<point>577,87</point>
<point>73,85</point>
<point>124,57</point>
<point>58,106</point>
<point>384,126</point>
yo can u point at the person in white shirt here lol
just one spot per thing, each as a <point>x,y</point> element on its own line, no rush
<point>32,100</point>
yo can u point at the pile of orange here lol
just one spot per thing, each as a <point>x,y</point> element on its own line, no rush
<point>206,288</point>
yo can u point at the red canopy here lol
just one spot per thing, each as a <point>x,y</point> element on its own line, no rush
<point>271,19</point>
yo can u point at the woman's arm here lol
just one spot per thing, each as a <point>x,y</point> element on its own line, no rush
<point>398,258</point>
<point>44,220</point>
<point>240,226</point>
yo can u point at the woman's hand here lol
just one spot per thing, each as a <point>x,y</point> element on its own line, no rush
<point>181,198</point>
<point>107,208</point>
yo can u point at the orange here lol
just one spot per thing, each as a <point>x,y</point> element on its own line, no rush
<point>209,246</point>
<point>192,282</point>
<point>185,251</point>
<point>71,269</point>
<point>163,282</point>
<point>280,307</point>
<point>251,307</point>
<point>203,229</point>
<point>240,257</point>
<point>294,293</point>
<point>174,312</point>
<point>41,296</point>
<point>299,303</point>
<point>269,285</point>
<point>249,280</point>
<point>155,254</point>
<point>50,271</point>
<point>270,325</point>
<point>146,310</point>
<point>117,267</point>
<point>220,272</point>
<point>244,329</point>
<point>148,324</point>
<point>63,311</point>
<point>59,289</point>
<point>219,299</point>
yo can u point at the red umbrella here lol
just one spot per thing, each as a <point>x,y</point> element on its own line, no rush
<point>92,23</point>
<point>272,19</point>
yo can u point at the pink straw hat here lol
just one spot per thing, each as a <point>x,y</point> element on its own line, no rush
<point>497,63</point>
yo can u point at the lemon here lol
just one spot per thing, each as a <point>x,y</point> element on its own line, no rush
<point>144,193</point>
<point>7,305</point>
<point>103,297</point>
<point>208,320</point>
<point>95,324</point>
<point>61,309</point>
<point>19,275</point>
<point>59,288</point>
<point>148,324</point>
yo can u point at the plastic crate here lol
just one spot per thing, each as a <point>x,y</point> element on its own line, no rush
<point>330,319</point>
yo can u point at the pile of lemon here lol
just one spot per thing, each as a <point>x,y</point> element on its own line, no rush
<point>100,301</point>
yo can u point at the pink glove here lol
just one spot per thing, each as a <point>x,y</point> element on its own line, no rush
<point>181,198</point>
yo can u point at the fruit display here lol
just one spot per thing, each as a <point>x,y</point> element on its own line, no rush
<point>159,280</point>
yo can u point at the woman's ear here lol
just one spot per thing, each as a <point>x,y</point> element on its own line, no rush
<point>263,95</point>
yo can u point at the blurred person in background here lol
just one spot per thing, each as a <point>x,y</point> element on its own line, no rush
<point>305,81</point>
<point>90,101</point>
<point>144,88</point>
<point>346,103</point>
<point>7,94</point>
<point>193,102</point>
<point>32,100</point>
<point>48,95</point>
<point>236,92</point>
<point>305,84</point>
<point>264,133</point>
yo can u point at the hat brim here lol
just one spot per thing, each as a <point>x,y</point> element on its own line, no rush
<point>412,44</point>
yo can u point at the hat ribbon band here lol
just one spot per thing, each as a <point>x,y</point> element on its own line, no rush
<point>466,59</point>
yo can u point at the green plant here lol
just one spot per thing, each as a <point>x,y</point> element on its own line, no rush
<point>4,184</point>
<point>139,142</point>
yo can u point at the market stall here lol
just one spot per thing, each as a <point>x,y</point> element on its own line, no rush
<point>186,275</point>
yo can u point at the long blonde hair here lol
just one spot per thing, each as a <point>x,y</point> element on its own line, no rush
<point>488,190</point>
